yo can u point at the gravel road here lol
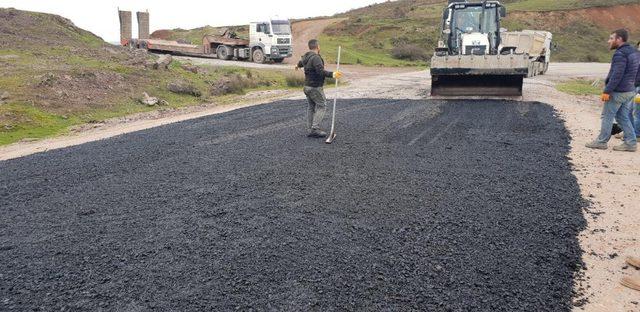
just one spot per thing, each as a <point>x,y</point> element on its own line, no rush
<point>419,205</point>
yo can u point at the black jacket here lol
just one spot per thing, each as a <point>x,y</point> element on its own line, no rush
<point>623,76</point>
<point>314,72</point>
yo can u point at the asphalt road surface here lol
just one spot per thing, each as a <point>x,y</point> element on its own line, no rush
<point>419,205</point>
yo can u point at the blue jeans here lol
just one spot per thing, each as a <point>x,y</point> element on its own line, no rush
<point>619,107</point>
<point>634,115</point>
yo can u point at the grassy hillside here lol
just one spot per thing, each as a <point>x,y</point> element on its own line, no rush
<point>408,30</point>
<point>57,75</point>
<point>554,5</point>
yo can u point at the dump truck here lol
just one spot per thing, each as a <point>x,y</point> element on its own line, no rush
<point>268,41</point>
<point>475,56</point>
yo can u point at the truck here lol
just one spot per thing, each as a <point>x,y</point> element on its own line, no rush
<point>475,56</point>
<point>269,40</point>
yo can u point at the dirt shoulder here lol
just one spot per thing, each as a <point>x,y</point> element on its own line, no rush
<point>610,180</point>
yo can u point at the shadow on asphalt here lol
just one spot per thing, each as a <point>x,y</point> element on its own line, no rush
<point>419,205</point>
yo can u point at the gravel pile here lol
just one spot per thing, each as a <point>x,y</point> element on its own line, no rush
<point>419,205</point>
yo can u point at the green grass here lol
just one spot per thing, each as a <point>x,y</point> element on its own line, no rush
<point>581,87</point>
<point>355,52</point>
<point>31,122</point>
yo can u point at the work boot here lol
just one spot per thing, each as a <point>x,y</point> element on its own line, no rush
<point>631,282</point>
<point>624,147</point>
<point>317,133</point>
<point>597,145</point>
<point>634,262</point>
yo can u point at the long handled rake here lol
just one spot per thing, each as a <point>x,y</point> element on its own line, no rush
<point>332,135</point>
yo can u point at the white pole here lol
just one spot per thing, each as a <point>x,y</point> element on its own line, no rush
<point>335,100</point>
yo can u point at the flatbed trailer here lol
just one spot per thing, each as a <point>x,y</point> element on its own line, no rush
<point>269,40</point>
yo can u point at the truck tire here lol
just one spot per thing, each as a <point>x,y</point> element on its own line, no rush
<point>258,56</point>
<point>224,52</point>
<point>278,61</point>
<point>546,69</point>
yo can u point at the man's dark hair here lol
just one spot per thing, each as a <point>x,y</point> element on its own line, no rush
<point>622,34</point>
<point>313,44</point>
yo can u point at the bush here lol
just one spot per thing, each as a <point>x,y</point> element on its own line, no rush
<point>409,52</point>
<point>294,80</point>
<point>232,84</point>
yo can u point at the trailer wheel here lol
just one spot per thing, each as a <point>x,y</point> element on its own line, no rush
<point>224,53</point>
<point>258,56</point>
<point>278,61</point>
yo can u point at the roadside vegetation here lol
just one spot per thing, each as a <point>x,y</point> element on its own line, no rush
<point>581,87</point>
<point>80,79</point>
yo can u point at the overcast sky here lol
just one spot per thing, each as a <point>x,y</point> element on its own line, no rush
<point>101,18</point>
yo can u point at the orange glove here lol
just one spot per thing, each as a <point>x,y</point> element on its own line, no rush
<point>637,99</point>
<point>337,75</point>
<point>605,97</point>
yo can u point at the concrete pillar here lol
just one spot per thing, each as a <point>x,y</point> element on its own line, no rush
<point>143,25</point>
<point>126,25</point>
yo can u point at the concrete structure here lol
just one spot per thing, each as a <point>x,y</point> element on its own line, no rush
<point>143,25</point>
<point>126,31</point>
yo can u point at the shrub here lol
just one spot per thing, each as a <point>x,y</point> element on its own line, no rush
<point>232,84</point>
<point>409,52</point>
<point>294,80</point>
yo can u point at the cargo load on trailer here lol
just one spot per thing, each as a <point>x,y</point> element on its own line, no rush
<point>268,41</point>
<point>477,57</point>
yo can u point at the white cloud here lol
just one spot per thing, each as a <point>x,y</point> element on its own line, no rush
<point>101,18</point>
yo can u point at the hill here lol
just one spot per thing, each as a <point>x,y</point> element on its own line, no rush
<point>56,75</point>
<point>408,30</point>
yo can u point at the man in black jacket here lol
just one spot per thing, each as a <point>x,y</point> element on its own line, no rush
<point>315,75</point>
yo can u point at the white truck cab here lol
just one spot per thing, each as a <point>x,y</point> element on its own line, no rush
<point>270,40</point>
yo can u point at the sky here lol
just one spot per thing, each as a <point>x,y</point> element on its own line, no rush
<point>101,17</point>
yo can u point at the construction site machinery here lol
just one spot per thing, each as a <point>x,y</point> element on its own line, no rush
<point>477,57</point>
<point>268,41</point>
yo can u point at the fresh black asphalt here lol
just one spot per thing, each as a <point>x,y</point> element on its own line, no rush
<point>419,205</point>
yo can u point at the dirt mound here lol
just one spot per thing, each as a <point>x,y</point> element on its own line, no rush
<point>611,18</point>
<point>582,34</point>
<point>24,29</point>
<point>162,34</point>
<point>59,67</point>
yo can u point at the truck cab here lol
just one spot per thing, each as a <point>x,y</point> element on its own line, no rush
<point>270,40</point>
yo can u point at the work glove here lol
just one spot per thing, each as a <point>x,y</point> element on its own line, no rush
<point>605,97</point>
<point>337,75</point>
<point>637,99</point>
